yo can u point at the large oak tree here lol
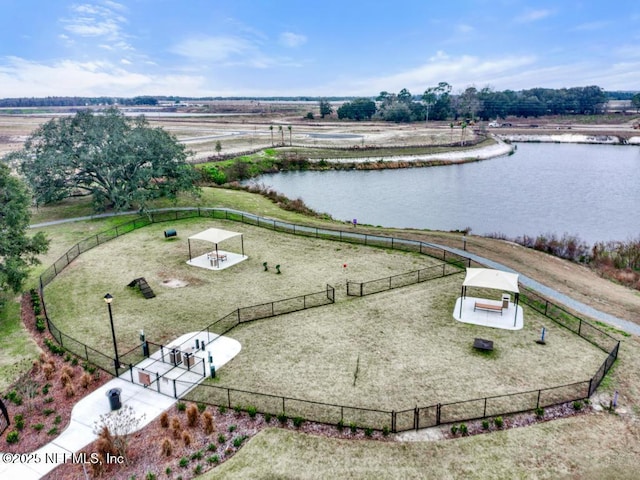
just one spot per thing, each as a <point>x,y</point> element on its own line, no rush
<point>122,162</point>
<point>18,251</point>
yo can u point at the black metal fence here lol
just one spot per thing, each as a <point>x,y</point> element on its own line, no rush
<point>404,279</point>
<point>395,421</point>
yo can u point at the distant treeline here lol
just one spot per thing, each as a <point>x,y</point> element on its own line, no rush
<point>29,102</point>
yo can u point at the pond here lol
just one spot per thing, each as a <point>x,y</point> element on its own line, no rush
<point>592,191</point>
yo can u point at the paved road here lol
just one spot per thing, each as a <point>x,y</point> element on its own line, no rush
<point>547,292</point>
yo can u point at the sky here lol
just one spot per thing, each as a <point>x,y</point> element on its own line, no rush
<point>313,48</point>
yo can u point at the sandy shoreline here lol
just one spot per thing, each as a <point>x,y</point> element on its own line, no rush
<point>497,150</point>
<point>571,138</point>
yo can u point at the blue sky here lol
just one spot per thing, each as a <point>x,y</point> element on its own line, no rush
<point>321,48</point>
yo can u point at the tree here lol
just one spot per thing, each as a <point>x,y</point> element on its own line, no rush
<point>325,108</point>
<point>119,161</point>
<point>433,94</point>
<point>271,130</point>
<point>358,109</point>
<point>281,134</point>
<point>635,101</point>
<point>289,127</point>
<point>17,250</point>
<point>218,147</point>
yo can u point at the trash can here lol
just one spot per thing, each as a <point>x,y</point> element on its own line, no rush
<point>171,232</point>
<point>114,398</point>
<point>506,298</point>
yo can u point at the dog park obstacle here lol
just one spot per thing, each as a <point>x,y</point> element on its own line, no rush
<point>145,289</point>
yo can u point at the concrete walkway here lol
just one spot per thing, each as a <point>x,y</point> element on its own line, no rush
<point>145,402</point>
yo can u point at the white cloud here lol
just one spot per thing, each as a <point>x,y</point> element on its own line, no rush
<point>289,39</point>
<point>590,27</point>
<point>213,49</point>
<point>533,16</point>
<point>20,77</point>
<point>88,20</point>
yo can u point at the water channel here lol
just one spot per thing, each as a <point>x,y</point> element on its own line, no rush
<point>592,191</point>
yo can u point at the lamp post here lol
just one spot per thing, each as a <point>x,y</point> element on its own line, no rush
<point>109,298</point>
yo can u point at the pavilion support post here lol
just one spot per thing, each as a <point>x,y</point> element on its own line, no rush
<point>189,241</point>
<point>515,318</point>
<point>461,300</point>
<point>242,244</point>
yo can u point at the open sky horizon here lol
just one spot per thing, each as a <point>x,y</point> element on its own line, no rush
<point>292,48</point>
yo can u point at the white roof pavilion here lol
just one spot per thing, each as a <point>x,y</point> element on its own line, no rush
<point>215,236</point>
<point>494,279</point>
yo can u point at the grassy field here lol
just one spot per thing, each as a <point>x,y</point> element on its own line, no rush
<point>393,350</point>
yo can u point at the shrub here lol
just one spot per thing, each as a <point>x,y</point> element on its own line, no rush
<point>48,369</point>
<point>237,409</point>
<point>38,426</point>
<point>13,437</point>
<point>41,326</point>
<point>69,390</point>
<point>181,406</point>
<point>212,447</point>
<point>47,411</point>
<point>65,379</point>
<point>463,429</point>
<point>192,415</point>
<point>198,469</point>
<point>201,407</point>
<point>252,411</point>
<point>368,432</point>
<point>150,476</point>
<point>385,431</point>
<point>18,420</point>
<point>213,459</point>
<point>353,427</point>
<point>539,412</point>
<point>197,455</point>
<point>14,397</point>
<point>166,447</point>
<point>164,420</point>
<point>454,429</point>
<point>184,461</point>
<point>498,422</point>
<point>222,409</point>
<point>53,431</point>
<point>176,426</point>
<point>221,438</point>
<point>48,400</point>
<point>57,420</point>
<point>577,405</point>
<point>168,471</point>
<point>267,417</point>
<point>340,425</point>
<point>282,418</point>
<point>232,428</point>
<point>485,424</point>
<point>207,423</point>
<point>237,442</point>
<point>298,421</point>
<point>45,388</point>
<point>187,438</point>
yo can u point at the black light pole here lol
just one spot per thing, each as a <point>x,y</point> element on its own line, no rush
<point>109,298</point>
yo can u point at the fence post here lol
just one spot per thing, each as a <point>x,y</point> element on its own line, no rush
<point>361,286</point>
<point>580,327</point>
<point>438,411</point>
<point>540,391</point>
<point>86,353</point>
<point>393,421</point>
<point>175,392</point>
<point>283,410</point>
<point>158,381</point>
<point>416,418</point>
<point>131,373</point>
<point>546,305</point>
<point>590,386</point>
<point>484,413</point>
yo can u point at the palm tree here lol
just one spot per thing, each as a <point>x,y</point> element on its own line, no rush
<point>271,128</point>
<point>281,133</point>
<point>289,127</point>
<point>451,126</point>
<point>464,126</point>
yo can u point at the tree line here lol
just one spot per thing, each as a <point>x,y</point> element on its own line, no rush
<point>31,102</point>
<point>438,103</point>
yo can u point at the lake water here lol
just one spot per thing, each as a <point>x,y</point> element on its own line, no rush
<point>592,191</point>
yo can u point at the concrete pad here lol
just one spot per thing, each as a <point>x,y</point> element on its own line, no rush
<point>224,260</point>
<point>512,318</point>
